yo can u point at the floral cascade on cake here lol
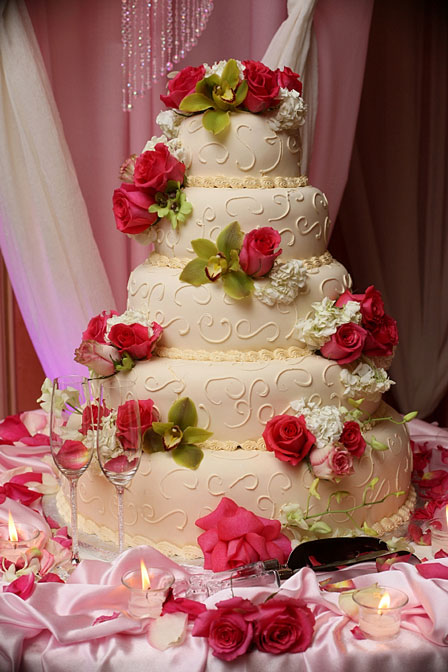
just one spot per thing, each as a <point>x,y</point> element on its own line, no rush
<point>241,310</point>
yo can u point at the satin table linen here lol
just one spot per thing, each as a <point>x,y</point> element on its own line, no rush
<point>80,625</point>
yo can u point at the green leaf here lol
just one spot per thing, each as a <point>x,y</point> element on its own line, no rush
<point>215,120</point>
<point>241,93</point>
<point>196,435</point>
<point>237,284</point>
<point>183,413</point>
<point>126,364</point>
<point>195,102</point>
<point>320,527</point>
<point>377,445</point>
<point>152,442</point>
<point>410,416</point>
<point>162,427</point>
<point>355,402</point>
<point>230,238</point>
<point>204,248</point>
<point>231,73</point>
<point>194,273</point>
<point>188,456</point>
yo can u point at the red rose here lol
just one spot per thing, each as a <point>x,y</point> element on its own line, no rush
<point>263,86</point>
<point>97,327</point>
<point>99,357</point>
<point>372,308</point>
<point>153,169</point>
<point>130,206</point>
<point>235,536</point>
<point>228,628</point>
<point>348,296</point>
<point>135,339</point>
<point>288,437</point>
<point>73,455</point>
<point>284,625</point>
<point>182,85</point>
<point>258,254</point>
<point>346,344</point>
<point>128,425</point>
<point>352,439</point>
<point>287,79</point>
<point>381,340</point>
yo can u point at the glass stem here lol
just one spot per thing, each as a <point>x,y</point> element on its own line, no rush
<point>74,519</point>
<point>120,491</point>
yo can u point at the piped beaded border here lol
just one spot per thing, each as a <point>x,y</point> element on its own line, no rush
<point>247,182</point>
<point>161,261</point>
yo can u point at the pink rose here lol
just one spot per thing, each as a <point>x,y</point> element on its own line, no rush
<point>341,462</point>
<point>331,462</point>
<point>258,254</point>
<point>352,439</point>
<point>153,169</point>
<point>129,424</point>
<point>287,79</point>
<point>99,357</point>
<point>73,455</point>
<point>346,344</point>
<point>182,85</point>
<point>284,625</point>
<point>130,206</point>
<point>372,308</point>
<point>347,296</point>
<point>135,339</point>
<point>263,87</point>
<point>96,328</point>
<point>90,417</point>
<point>381,340</point>
<point>288,437</point>
<point>229,627</point>
<point>235,536</point>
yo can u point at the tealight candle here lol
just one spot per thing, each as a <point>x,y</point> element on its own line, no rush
<point>380,611</point>
<point>439,534</point>
<point>147,591</point>
<point>15,541</point>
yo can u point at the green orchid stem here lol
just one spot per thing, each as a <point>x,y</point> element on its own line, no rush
<point>111,375</point>
<point>328,511</point>
<point>74,408</point>
<point>389,419</point>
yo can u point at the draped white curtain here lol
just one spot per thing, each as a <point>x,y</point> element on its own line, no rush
<point>45,235</point>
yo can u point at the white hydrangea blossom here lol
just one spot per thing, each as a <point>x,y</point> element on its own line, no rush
<point>129,317</point>
<point>324,422</point>
<point>290,114</point>
<point>324,321</point>
<point>217,68</point>
<point>365,380</point>
<point>169,122</point>
<point>283,283</point>
<point>174,145</point>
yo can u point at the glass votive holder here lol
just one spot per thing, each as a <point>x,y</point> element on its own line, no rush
<point>439,531</point>
<point>380,611</point>
<point>13,549</point>
<point>147,591</point>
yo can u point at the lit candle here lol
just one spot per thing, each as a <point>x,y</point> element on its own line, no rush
<point>148,590</point>
<point>380,611</point>
<point>15,541</point>
<point>439,533</point>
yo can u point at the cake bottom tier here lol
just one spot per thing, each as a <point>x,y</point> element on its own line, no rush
<point>164,500</point>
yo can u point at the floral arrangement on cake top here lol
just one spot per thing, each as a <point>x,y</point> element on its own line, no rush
<point>152,188</point>
<point>230,86</point>
<point>114,342</point>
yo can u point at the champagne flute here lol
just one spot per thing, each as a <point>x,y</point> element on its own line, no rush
<point>119,442</point>
<point>71,439</point>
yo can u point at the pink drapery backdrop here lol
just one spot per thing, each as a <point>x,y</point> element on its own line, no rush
<point>81,49</point>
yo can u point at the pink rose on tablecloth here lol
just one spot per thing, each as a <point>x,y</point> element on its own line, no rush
<point>381,341</point>
<point>154,168</point>
<point>287,79</point>
<point>284,625</point>
<point>288,437</point>
<point>331,462</point>
<point>372,308</point>
<point>99,357</point>
<point>352,439</point>
<point>137,340</point>
<point>182,85</point>
<point>235,536</point>
<point>96,329</point>
<point>73,455</point>
<point>130,207</point>
<point>258,253</point>
<point>263,87</point>
<point>229,627</point>
<point>346,344</point>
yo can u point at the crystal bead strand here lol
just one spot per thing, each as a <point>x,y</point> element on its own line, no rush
<point>126,54</point>
<point>148,45</point>
<point>169,35</point>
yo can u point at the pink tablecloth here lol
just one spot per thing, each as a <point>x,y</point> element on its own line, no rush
<point>79,625</point>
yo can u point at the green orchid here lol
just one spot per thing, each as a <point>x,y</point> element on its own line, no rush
<point>172,204</point>
<point>179,435</point>
<point>216,96</point>
<point>219,260</point>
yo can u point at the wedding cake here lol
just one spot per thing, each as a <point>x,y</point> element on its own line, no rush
<point>263,371</point>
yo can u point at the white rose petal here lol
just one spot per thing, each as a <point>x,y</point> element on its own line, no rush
<point>168,630</point>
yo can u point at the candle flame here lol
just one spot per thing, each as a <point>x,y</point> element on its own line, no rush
<point>146,583</point>
<point>384,602</point>
<point>13,536</point>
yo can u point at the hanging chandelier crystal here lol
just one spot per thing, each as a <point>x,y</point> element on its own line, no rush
<point>157,34</point>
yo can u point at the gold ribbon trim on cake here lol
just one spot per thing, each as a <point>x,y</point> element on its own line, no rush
<point>247,182</point>
<point>263,355</point>
<point>161,260</point>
